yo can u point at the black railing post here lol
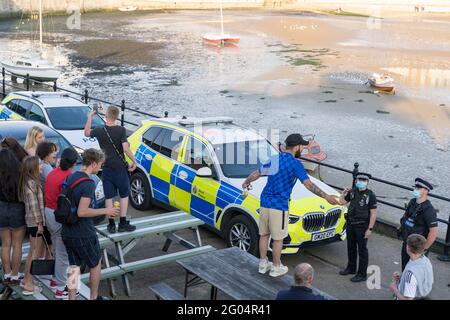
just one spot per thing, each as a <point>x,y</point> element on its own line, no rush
<point>27,79</point>
<point>55,87</point>
<point>122,118</point>
<point>355,172</point>
<point>86,96</point>
<point>3,83</point>
<point>446,257</point>
<point>166,114</point>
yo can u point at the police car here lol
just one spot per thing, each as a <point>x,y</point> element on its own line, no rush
<point>200,169</point>
<point>59,111</point>
<point>19,129</point>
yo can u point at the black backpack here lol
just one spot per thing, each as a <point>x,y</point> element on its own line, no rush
<point>66,208</point>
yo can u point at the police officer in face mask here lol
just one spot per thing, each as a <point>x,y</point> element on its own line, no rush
<point>419,218</point>
<point>361,218</point>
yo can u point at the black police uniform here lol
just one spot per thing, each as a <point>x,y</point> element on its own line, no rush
<point>358,218</point>
<point>418,219</point>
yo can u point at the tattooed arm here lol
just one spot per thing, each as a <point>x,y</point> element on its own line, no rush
<point>318,192</point>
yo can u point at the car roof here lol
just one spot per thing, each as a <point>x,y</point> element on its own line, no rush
<point>217,130</point>
<point>50,99</point>
<point>19,129</point>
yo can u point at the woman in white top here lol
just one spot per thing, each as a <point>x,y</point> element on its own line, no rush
<point>34,137</point>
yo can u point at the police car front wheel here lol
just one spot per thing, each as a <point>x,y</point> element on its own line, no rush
<point>140,192</point>
<point>242,233</point>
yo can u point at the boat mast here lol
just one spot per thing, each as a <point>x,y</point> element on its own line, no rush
<point>40,24</point>
<point>221,17</point>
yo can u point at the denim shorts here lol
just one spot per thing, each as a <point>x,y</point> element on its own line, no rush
<point>12,215</point>
<point>116,180</point>
<point>83,250</point>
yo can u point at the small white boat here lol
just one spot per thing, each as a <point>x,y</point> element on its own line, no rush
<point>38,69</point>
<point>382,82</point>
<point>127,8</point>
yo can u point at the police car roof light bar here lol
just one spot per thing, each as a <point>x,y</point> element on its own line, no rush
<point>210,120</point>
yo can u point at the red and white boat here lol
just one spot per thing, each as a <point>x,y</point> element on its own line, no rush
<point>222,38</point>
<point>382,82</point>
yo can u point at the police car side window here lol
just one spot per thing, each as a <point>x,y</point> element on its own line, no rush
<point>197,155</point>
<point>150,135</point>
<point>170,146</point>
<point>23,107</point>
<point>36,114</point>
<point>13,105</point>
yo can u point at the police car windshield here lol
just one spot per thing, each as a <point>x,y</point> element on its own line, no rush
<point>72,118</point>
<point>240,159</point>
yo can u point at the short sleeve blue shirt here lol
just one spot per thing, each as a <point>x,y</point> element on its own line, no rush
<point>282,172</point>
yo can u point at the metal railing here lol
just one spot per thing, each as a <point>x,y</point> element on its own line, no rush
<point>85,97</point>
<point>446,254</point>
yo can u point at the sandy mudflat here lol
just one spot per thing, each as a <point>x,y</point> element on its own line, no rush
<point>292,71</point>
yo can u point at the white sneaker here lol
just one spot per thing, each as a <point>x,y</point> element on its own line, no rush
<point>278,271</point>
<point>264,266</point>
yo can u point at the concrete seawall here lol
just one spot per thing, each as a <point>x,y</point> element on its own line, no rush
<point>9,8</point>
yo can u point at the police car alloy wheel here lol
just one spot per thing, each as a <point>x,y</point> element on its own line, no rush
<point>242,233</point>
<point>140,192</point>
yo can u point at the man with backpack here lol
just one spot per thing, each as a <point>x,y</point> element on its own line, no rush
<point>115,176</point>
<point>78,231</point>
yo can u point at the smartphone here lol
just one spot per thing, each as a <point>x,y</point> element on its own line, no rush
<point>95,108</point>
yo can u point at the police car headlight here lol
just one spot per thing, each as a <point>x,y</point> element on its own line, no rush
<point>293,219</point>
<point>99,193</point>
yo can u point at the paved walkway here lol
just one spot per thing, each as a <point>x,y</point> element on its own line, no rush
<point>327,261</point>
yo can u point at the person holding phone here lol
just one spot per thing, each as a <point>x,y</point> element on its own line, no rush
<point>115,176</point>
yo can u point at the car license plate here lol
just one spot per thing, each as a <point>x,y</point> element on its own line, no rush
<point>323,235</point>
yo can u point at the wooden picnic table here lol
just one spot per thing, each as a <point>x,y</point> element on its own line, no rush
<point>163,224</point>
<point>234,272</point>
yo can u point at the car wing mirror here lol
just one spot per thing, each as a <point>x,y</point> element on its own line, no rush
<point>204,172</point>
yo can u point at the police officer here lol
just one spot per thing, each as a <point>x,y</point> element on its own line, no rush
<point>419,218</point>
<point>361,218</point>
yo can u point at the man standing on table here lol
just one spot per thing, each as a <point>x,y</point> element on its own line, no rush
<point>282,170</point>
<point>113,141</point>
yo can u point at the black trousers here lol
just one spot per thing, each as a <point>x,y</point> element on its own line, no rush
<point>357,246</point>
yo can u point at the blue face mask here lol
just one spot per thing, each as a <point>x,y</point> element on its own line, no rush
<point>416,193</point>
<point>361,184</point>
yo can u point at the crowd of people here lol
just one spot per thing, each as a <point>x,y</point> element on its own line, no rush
<point>33,178</point>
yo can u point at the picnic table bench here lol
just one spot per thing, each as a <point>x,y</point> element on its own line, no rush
<point>234,272</point>
<point>163,291</point>
<point>15,291</point>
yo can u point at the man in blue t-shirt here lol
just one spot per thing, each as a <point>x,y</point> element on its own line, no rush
<point>80,238</point>
<point>282,170</point>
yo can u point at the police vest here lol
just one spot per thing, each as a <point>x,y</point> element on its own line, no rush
<point>358,210</point>
<point>409,222</point>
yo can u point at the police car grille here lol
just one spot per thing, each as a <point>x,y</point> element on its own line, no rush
<point>313,222</point>
<point>332,218</point>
